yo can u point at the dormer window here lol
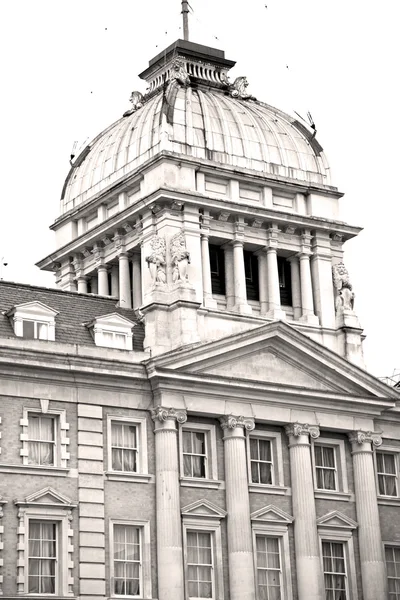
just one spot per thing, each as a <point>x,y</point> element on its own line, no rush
<point>33,321</point>
<point>112,331</point>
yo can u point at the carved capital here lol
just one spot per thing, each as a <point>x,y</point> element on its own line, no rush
<point>364,437</point>
<point>231,422</point>
<point>297,429</point>
<point>164,414</point>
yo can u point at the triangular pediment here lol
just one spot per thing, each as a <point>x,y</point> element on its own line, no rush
<point>47,496</point>
<point>336,520</point>
<point>276,353</point>
<point>203,508</point>
<point>33,309</point>
<point>112,320</point>
<point>272,514</point>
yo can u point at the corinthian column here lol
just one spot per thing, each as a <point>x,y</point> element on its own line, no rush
<point>369,531</point>
<point>308,566</point>
<point>240,544</point>
<point>168,514</point>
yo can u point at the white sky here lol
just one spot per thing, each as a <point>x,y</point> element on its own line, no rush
<point>68,67</point>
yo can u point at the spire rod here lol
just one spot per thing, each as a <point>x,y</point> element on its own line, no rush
<point>185,13</point>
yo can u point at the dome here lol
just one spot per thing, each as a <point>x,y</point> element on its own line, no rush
<point>200,115</point>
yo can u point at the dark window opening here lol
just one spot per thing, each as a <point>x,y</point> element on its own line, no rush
<point>251,272</point>
<point>217,266</point>
<point>285,281</point>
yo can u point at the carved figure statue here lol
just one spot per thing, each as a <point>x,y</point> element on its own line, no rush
<point>180,257</point>
<point>178,72</point>
<point>137,101</point>
<point>238,88</point>
<point>156,260</point>
<point>344,289</point>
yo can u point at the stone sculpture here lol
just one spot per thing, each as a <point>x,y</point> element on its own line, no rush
<point>180,257</point>
<point>137,101</point>
<point>157,260</point>
<point>178,72</point>
<point>343,287</point>
<point>238,88</point>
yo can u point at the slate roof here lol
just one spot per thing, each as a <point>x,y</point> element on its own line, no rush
<point>74,309</point>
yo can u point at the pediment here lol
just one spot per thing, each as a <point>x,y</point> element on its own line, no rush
<point>112,320</point>
<point>276,353</point>
<point>203,509</point>
<point>33,309</point>
<point>272,514</point>
<point>336,520</point>
<point>47,496</point>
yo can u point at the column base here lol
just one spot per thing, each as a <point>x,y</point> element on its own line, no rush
<point>277,314</point>
<point>243,309</point>
<point>210,302</point>
<point>311,319</point>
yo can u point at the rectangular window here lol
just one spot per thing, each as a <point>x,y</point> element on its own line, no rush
<point>124,447</point>
<point>194,454</point>
<point>325,467</point>
<point>200,564</point>
<point>217,267</point>
<point>335,576</point>
<point>285,281</point>
<point>251,272</point>
<point>127,560</point>
<point>386,469</point>
<point>34,330</point>
<point>269,571</point>
<point>392,556</point>
<point>261,462</point>
<point>41,440</point>
<point>42,557</point>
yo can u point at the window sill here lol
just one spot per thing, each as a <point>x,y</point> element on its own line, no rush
<point>260,488</point>
<point>35,470</point>
<point>332,495</point>
<point>132,477</point>
<point>211,484</point>
<point>389,501</point>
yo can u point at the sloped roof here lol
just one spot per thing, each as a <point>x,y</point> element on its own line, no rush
<point>74,310</point>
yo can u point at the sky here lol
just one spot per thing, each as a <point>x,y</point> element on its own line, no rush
<point>69,66</point>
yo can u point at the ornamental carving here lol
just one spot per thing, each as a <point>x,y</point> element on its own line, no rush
<point>344,289</point>
<point>156,261</point>
<point>137,100</point>
<point>179,73</point>
<point>238,89</point>
<point>362,437</point>
<point>297,429</point>
<point>231,422</point>
<point>164,414</point>
<point>180,257</point>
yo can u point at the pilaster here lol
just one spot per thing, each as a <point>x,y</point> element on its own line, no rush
<point>321,269</point>
<point>168,515</point>
<point>263,280</point>
<point>296,289</point>
<point>240,545</point>
<point>308,567</point>
<point>274,301</point>
<point>307,301</point>
<point>372,560</point>
<point>229,276</point>
<point>208,300</point>
<point>241,305</point>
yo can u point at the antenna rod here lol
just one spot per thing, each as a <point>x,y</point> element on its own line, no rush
<point>185,13</point>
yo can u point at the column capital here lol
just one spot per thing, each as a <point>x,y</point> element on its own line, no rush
<point>231,422</point>
<point>298,429</point>
<point>361,437</point>
<point>162,414</point>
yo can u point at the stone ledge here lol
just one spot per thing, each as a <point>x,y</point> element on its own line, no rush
<point>385,500</point>
<point>327,495</point>
<point>35,470</point>
<point>260,488</point>
<point>131,477</point>
<point>211,484</point>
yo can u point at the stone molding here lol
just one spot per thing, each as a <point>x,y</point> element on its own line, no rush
<point>231,422</point>
<point>165,414</point>
<point>297,429</point>
<point>364,437</point>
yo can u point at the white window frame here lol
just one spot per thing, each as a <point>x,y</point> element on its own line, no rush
<point>391,500</point>
<point>35,312</point>
<point>114,324</point>
<point>145,548</point>
<point>142,474</point>
<point>205,525</point>
<point>275,438</point>
<point>211,481</point>
<point>58,510</point>
<point>342,491</point>
<point>61,441</point>
<point>275,530</point>
<point>390,545</point>
<point>343,534</point>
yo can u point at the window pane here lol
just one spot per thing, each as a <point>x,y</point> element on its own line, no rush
<point>42,331</point>
<point>269,574</point>
<point>42,548</point>
<point>127,560</point>
<point>199,564</point>
<point>28,330</point>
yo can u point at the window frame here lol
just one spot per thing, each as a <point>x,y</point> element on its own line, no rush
<point>392,545</point>
<point>37,313</point>
<point>142,474</point>
<point>275,438</point>
<point>342,491</point>
<point>114,324</point>
<point>61,441</point>
<point>395,450</point>
<point>145,551</point>
<point>211,481</point>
